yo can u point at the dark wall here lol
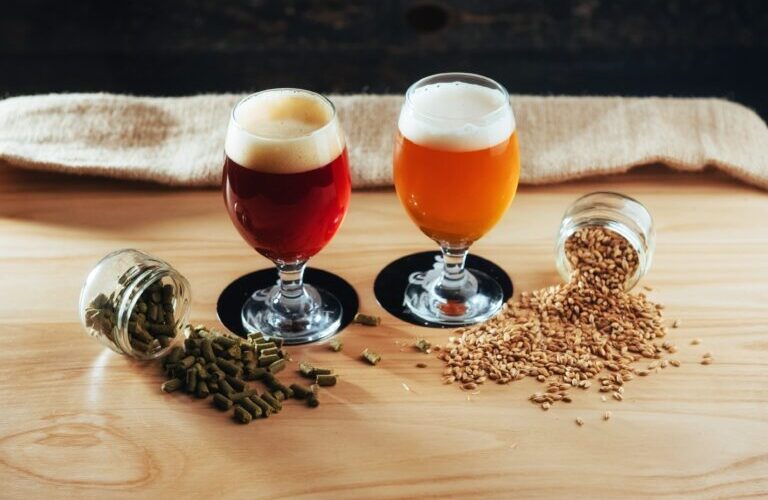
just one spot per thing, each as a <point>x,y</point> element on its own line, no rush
<point>171,47</point>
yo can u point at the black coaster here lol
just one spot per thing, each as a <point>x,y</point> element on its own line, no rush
<point>391,282</point>
<point>231,300</point>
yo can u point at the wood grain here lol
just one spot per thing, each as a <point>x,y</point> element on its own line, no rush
<point>80,421</point>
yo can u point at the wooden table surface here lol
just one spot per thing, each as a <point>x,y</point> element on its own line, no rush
<point>80,421</point>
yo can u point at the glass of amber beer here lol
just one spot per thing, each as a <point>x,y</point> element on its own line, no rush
<point>456,169</point>
<point>286,187</point>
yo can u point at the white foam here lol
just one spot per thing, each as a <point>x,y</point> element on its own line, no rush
<point>456,116</point>
<point>283,131</point>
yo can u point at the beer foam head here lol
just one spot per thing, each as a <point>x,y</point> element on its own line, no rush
<point>284,131</point>
<point>456,116</point>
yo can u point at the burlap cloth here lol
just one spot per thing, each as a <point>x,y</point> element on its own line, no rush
<point>179,141</point>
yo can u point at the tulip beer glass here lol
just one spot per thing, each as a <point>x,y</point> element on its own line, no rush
<point>456,169</point>
<point>286,186</point>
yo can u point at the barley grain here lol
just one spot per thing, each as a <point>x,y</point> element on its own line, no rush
<point>566,335</point>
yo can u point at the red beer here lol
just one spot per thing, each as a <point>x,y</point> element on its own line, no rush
<point>291,216</point>
<point>286,173</point>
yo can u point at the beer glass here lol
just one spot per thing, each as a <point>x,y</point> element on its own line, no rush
<point>286,187</point>
<point>456,169</point>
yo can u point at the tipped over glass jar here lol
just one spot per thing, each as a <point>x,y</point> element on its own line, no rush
<point>615,212</point>
<point>135,304</point>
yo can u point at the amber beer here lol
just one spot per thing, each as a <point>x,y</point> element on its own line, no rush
<point>457,161</point>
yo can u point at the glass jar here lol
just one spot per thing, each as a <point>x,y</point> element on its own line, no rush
<point>617,212</point>
<point>135,304</point>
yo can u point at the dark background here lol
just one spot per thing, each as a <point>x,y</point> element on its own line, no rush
<point>174,47</point>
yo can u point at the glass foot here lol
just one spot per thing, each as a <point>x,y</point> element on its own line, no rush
<point>313,315</point>
<point>476,298</point>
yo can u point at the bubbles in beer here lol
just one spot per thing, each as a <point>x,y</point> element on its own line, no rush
<point>286,131</point>
<point>456,116</point>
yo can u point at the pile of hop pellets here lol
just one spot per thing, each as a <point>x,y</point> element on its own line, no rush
<point>211,363</point>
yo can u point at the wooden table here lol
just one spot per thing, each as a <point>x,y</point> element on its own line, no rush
<point>81,421</point>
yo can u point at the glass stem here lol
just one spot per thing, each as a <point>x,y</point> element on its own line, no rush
<point>454,258</point>
<point>291,283</point>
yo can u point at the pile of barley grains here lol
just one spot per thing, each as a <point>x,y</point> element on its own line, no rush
<point>589,330</point>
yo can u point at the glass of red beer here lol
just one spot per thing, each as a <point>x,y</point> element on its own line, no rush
<point>286,186</point>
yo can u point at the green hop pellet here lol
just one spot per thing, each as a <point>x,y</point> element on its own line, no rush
<point>256,373</point>
<point>139,345</point>
<point>267,360</point>
<point>312,401</point>
<point>225,342</point>
<point>236,383</point>
<point>277,366</point>
<point>140,333</point>
<point>228,367</point>
<point>237,396</point>
<point>167,293</point>
<point>172,385</point>
<point>187,362</point>
<point>225,388</point>
<point>214,372</point>
<point>423,345</point>
<point>241,415</point>
<point>191,384</point>
<point>160,329</point>
<point>152,312</point>
<point>367,319</point>
<point>161,319</point>
<point>326,380</point>
<point>255,336</point>
<point>272,351</point>
<point>371,357</point>
<point>202,391</point>
<point>300,391</point>
<point>336,345</point>
<point>206,349</point>
<point>306,370</point>
<point>222,402</point>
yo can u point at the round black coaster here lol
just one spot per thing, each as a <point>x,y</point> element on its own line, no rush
<point>391,282</point>
<point>231,300</point>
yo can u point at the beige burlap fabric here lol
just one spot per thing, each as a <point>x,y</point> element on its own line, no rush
<point>179,141</point>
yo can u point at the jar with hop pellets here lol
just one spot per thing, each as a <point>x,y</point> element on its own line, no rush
<point>135,304</point>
